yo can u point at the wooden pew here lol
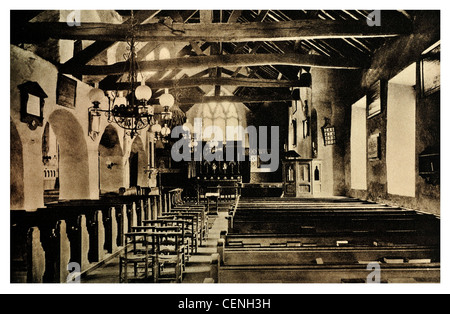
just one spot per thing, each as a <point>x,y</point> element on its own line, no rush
<point>326,240</point>
<point>242,256</point>
<point>325,221</point>
<point>94,228</point>
<point>383,239</point>
<point>399,273</point>
<point>254,262</point>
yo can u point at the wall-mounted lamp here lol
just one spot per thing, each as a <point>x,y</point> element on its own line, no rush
<point>94,124</point>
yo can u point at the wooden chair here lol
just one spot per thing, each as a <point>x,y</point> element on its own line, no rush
<point>201,220</point>
<point>170,226</point>
<point>140,253</point>
<point>169,255</point>
<point>192,227</point>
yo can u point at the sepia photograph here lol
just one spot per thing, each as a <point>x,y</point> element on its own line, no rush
<point>221,146</point>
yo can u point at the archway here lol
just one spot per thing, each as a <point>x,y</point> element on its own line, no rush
<point>16,169</point>
<point>110,161</point>
<point>138,162</point>
<point>73,159</point>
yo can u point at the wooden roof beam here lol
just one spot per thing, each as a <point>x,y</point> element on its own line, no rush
<point>214,32</point>
<point>218,60</point>
<point>203,81</point>
<point>94,49</point>
<point>273,97</point>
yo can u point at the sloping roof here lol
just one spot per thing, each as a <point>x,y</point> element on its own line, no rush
<point>251,50</point>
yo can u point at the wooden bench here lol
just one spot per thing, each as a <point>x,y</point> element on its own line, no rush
<point>389,273</point>
<point>383,239</point>
<point>312,240</point>
<point>92,231</point>
<point>302,221</point>
<point>284,258</point>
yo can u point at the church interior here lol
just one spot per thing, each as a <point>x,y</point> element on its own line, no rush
<point>225,146</point>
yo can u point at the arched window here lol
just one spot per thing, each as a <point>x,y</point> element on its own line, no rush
<point>222,115</point>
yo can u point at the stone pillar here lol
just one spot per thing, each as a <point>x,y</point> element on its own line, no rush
<point>35,256</point>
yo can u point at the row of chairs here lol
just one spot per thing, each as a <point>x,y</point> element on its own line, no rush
<point>159,249</point>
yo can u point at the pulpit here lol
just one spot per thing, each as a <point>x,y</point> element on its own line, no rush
<point>302,177</point>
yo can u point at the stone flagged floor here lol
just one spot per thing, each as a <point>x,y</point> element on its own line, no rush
<point>197,269</point>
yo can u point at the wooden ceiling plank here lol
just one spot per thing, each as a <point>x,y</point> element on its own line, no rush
<point>316,47</point>
<point>350,14</point>
<point>353,45</point>
<point>331,47</point>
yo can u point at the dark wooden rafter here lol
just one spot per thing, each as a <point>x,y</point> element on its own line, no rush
<point>216,32</point>
<point>110,81</point>
<point>140,55</point>
<point>193,81</point>
<point>158,93</point>
<point>258,19</point>
<point>218,60</point>
<point>234,16</point>
<point>273,97</point>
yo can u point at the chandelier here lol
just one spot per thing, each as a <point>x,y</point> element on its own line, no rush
<point>130,109</point>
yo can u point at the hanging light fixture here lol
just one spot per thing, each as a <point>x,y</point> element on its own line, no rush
<point>166,101</point>
<point>131,110</point>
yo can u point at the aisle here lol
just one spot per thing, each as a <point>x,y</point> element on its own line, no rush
<point>197,269</point>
